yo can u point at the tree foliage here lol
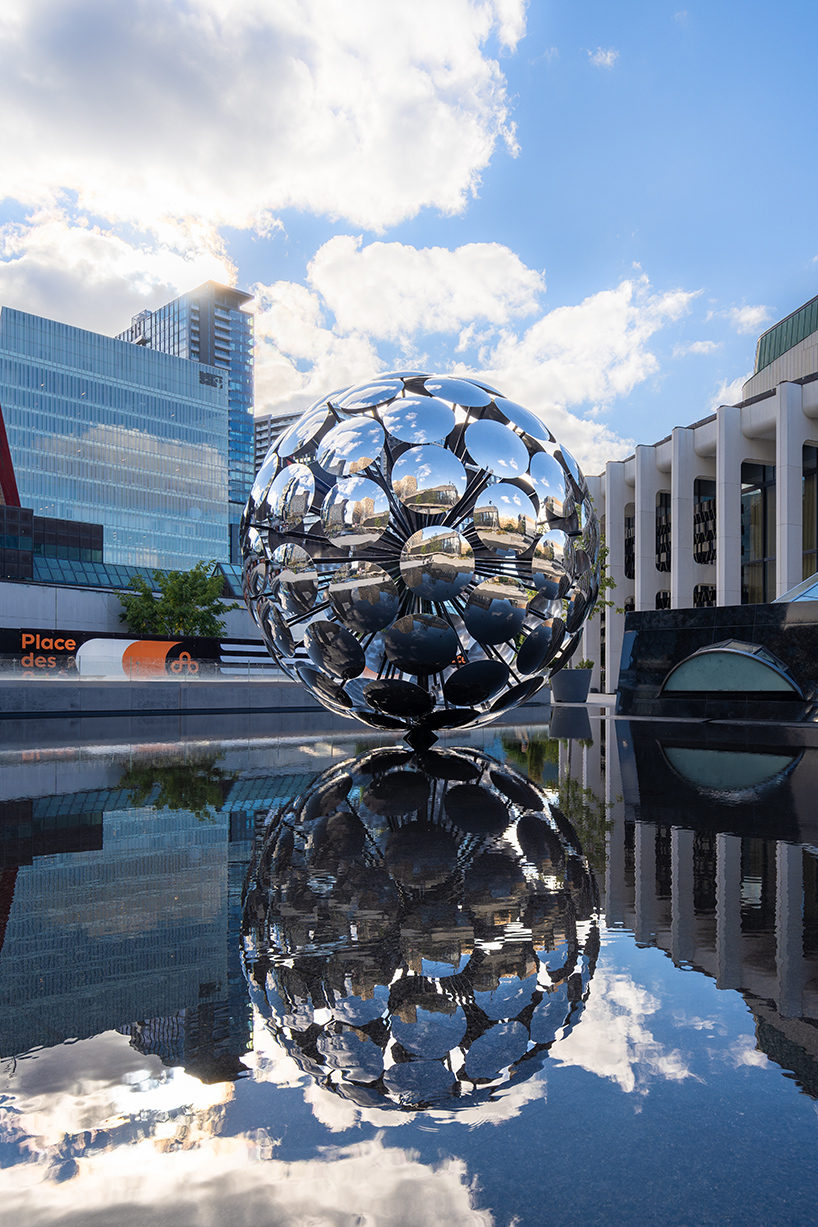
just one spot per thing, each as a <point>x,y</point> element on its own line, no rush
<point>177,603</point>
<point>198,786</point>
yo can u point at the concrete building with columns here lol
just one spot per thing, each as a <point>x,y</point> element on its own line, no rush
<point>721,512</point>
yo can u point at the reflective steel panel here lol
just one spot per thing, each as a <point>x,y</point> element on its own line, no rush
<point>331,695</point>
<point>355,513</point>
<point>302,433</point>
<point>524,419</point>
<point>298,578</point>
<point>437,563</point>
<point>495,610</point>
<point>350,447</point>
<point>334,649</point>
<point>397,793</point>
<point>572,466</point>
<point>476,682</point>
<point>540,647</point>
<point>363,596</point>
<point>551,564</point>
<point>418,419</point>
<point>369,394</point>
<point>421,644</point>
<point>397,698</point>
<point>264,476</point>
<point>579,606</point>
<point>493,446</point>
<point>475,810</point>
<point>548,477</point>
<point>504,518</point>
<point>428,479</point>
<point>461,391</point>
<point>289,498</point>
<point>516,790</point>
<point>278,629</point>
<point>518,694</point>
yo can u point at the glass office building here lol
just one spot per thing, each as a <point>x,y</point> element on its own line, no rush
<point>208,326</point>
<point>116,435</point>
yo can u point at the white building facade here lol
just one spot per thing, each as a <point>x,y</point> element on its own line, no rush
<point>722,512</point>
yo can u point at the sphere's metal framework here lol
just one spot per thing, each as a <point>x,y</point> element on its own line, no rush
<point>419,551</point>
<point>420,929</point>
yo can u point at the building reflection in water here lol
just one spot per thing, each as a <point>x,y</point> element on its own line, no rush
<point>420,929</point>
<point>712,856</point>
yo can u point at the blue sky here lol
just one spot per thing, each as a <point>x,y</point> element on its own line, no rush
<point>597,206</point>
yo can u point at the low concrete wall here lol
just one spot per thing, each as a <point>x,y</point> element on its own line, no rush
<point>60,607</point>
<point>31,697</point>
<point>38,714</point>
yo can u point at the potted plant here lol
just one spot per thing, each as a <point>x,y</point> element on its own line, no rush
<point>571,685</point>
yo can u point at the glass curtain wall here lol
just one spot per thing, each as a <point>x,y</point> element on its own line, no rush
<point>117,435</point>
<point>757,533</point>
<point>810,513</point>
<point>662,533</point>
<point>704,521</point>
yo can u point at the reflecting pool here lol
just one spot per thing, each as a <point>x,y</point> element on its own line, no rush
<point>532,973</point>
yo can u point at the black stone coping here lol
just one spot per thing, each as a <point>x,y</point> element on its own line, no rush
<point>656,640</point>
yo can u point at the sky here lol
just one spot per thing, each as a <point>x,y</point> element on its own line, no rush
<point>596,207</point>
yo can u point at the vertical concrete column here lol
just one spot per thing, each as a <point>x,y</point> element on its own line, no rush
<point>728,911</point>
<point>647,487</point>
<point>645,858</point>
<point>615,502</point>
<point>592,631</point>
<point>615,837</point>
<point>790,438</point>
<point>681,900</point>
<point>729,455</point>
<point>592,645</point>
<point>789,928</point>
<point>564,762</point>
<point>682,476</point>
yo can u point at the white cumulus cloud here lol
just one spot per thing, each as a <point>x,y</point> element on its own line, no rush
<point>729,392</point>
<point>748,319</point>
<point>232,109</point>
<point>393,290</point>
<point>91,277</point>
<point>613,1040</point>
<point>391,305</point>
<point>603,57</point>
<point>696,347</point>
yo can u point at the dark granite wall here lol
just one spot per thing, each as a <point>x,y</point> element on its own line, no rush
<point>655,641</point>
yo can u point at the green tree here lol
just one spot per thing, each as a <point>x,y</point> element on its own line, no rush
<point>197,785</point>
<point>177,603</point>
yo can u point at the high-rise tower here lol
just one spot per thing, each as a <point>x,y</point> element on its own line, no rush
<point>208,326</point>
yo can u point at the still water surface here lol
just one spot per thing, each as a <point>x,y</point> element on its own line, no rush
<point>507,984</point>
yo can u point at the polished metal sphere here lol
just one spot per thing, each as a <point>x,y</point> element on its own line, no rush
<point>420,552</point>
<point>420,929</point>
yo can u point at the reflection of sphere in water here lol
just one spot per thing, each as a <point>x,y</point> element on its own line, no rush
<point>420,552</point>
<point>420,928</point>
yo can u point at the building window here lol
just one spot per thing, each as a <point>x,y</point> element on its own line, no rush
<point>629,604</point>
<point>704,596</point>
<point>704,521</point>
<point>630,547</point>
<point>757,533</point>
<point>663,599</point>
<point>663,534</point>
<point>810,512</point>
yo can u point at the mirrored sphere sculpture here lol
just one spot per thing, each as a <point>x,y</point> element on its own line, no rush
<point>420,930</point>
<point>424,536</point>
